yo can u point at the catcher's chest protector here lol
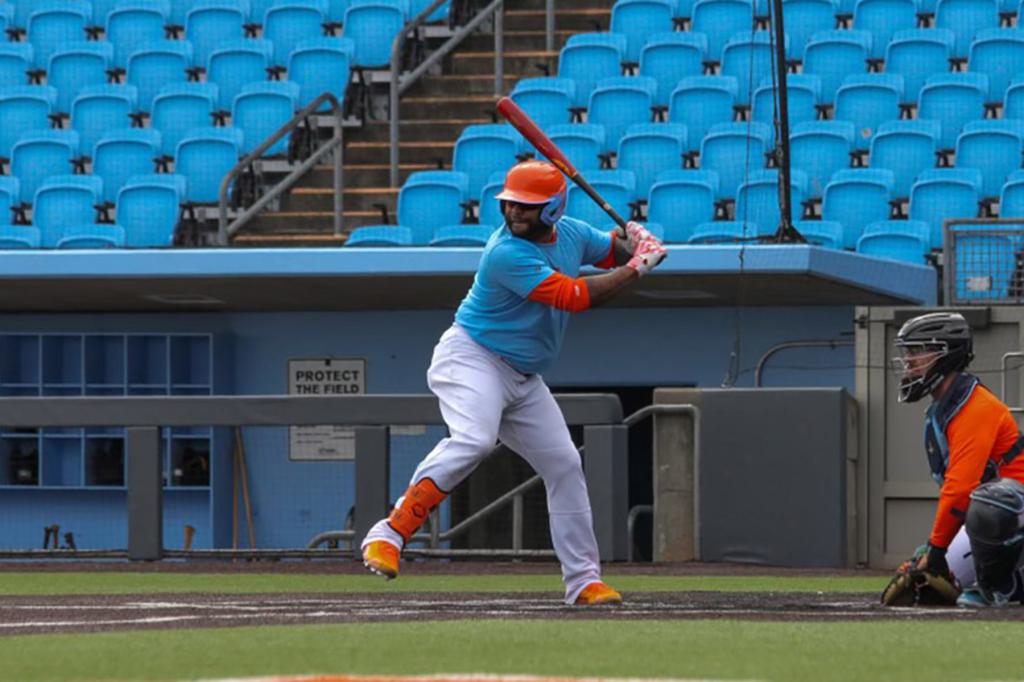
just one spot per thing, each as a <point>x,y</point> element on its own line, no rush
<point>937,419</point>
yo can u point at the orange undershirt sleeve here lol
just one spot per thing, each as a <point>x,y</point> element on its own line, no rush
<point>562,292</point>
<point>608,262</point>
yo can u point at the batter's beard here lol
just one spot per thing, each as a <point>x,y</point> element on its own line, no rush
<point>536,232</point>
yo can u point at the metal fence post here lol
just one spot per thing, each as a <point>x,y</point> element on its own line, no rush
<point>145,491</point>
<point>499,50</point>
<point>606,463</point>
<point>372,477</point>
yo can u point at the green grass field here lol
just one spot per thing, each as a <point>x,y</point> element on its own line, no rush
<point>710,649</point>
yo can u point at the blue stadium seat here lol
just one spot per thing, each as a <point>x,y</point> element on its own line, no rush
<point>63,200</point>
<point>179,12</point>
<point>1013,102</point>
<point>906,148</point>
<point>723,232</point>
<point>999,54</point>
<point>19,237</point>
<point>180,107</point>
<point>942,193</point>
<point>580,142</point>
<point>432,199</point>
<point>24,108</point>
<point>75,66</point>
<point>257,10</point>
<point>235,64</point>
<point>372,27</point>
<point>1011,196</point>
<point>260,109</point>
<point>757,199</point>
<point>15,62</point>
<point>546,100</point>
<point>155,65</point>
<point>994,147</point>
<point>748,58</point>
<point>288,22</point>
<point>733,150</point>
<point>321,65</point>
<point>867,101</point>
<point>212,23</point>
<point>99,108</point>
<point>439,14</point>
<point>882,19</point>
<point>669,58</point>
<point>205,156</point>
<point>953,99</point>
<point>966,18</point>
<point>134,23</point>
<point>680,200</point>
<point>855,197</point>
<point>122,154</point>
<point>148,208</point>
<point>10,197</point>
<point>834,55</point>
<point>902,240</point>
<point>588,58</point>
<point>22,10</point>
<point>803,91</point>
<point>804,18</point>
<point>484,149</point>
<point>462,235</point>
<point>825,233</point>
<point>54,23</point>
<point>720,20</point>
<point>380,235</point>
<point>700,102</point>
<point>638,19</point>
<point>6,17</point>
<point>618,102</point>
<point>92,236</point>
<point>820,149</point>
<point>916,54</point>
<point>618,187</point>
<point>42,153</point>
<point>647,149</point>
<point>490,208</point>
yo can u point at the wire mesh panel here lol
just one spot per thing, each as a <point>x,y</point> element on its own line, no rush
<point>983,262</point>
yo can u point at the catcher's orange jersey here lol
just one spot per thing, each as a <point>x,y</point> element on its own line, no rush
<point>982,430</point>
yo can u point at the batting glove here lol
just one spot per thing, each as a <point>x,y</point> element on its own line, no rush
<point>636,233</point>
<point>649,253</point>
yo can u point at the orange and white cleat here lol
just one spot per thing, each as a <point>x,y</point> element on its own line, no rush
<point>381,558</point>
<point>598,593</point>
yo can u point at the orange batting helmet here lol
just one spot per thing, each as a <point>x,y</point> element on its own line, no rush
<point>536,182</point>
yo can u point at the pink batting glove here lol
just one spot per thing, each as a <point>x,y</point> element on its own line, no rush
<point>636,233</point>
<point>648,255</point>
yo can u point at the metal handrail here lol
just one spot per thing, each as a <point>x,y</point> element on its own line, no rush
<point>826,343</point>
<point>225,231</point>
<point>1004,367</point>
<point>397,87</point>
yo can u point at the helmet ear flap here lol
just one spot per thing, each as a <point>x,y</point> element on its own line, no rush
<point>554,209</point>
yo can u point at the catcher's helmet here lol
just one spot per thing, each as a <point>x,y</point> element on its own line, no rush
<point>930,347</point>
<point>536,182</point>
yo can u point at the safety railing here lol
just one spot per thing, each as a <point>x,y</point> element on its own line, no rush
<point>399,83</point>
<point>371,415</point>
<point>982,261</point>
<point>812,343</point>
<point>514,497</point>
<point>225,230</point>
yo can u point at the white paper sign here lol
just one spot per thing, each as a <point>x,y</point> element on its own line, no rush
<point>324,377</point>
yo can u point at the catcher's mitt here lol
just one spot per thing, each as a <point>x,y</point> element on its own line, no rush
<point>914,587</point>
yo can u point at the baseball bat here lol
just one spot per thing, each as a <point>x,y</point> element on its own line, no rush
<point>522,122</point>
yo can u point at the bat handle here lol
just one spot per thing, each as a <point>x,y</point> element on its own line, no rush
<point>600,201</point>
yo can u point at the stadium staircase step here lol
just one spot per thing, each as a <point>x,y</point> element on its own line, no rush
<point>433,113</point>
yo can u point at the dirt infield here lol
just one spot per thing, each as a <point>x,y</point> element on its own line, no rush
<point>27,615</point>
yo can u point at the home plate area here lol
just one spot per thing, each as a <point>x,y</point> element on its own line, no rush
<point>20,615</point>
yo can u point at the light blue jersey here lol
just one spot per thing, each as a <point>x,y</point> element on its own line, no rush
<point>497,312</point>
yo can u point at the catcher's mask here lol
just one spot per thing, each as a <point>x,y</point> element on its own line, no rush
<point>930,347</point>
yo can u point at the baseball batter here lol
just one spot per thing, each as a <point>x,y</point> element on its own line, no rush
<point>486,369</point>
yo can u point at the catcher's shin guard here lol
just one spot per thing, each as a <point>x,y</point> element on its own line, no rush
<point>993,528</point>
<point>414,506</point>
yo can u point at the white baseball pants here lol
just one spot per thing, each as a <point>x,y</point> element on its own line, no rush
<point>483,399</point>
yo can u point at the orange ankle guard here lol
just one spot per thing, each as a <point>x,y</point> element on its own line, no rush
<point>419,500</point>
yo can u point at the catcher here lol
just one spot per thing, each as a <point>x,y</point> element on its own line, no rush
<point>972,443</point>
